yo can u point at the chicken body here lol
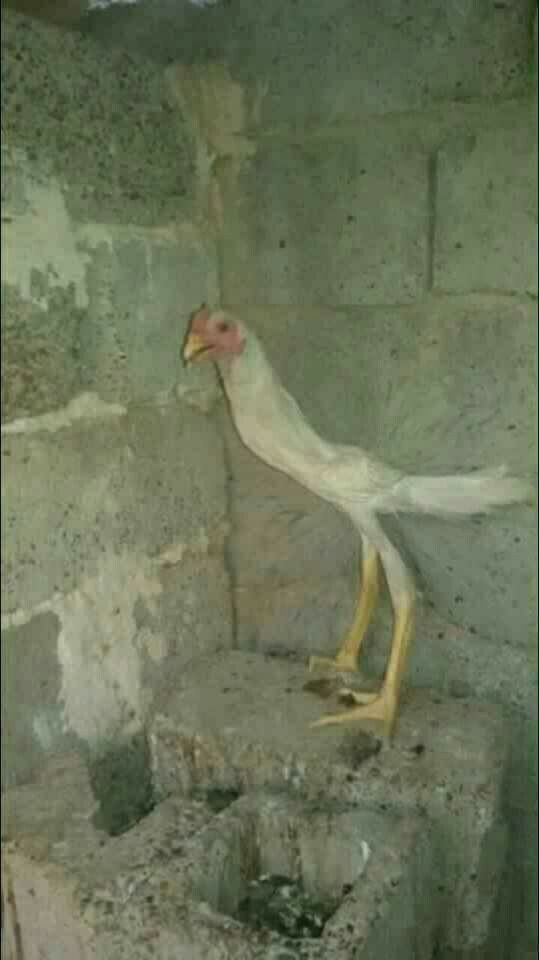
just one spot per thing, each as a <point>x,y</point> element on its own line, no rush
<point>272,425</point>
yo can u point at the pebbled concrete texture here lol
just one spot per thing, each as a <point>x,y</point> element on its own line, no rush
<point>114,494</point>
<point>321,64</point>
<point>92,122</point>
<point>92,481</point>
<point>114,532</point>
<point>317,809</point>
<point>93,306</point>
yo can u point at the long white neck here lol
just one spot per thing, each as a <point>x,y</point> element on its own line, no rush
<point>246,372</point>
<point>268,419</point>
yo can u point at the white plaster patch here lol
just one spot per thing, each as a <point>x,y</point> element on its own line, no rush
<point>101,684</point>
<point>43,238</point>
<point>93,235</point>
<point>87,406</point>
<point>145,579</point>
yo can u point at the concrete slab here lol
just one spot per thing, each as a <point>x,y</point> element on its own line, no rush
<point>142,287</point>
<point>486,210</point>
<point>351,246</point>
<point>145,480</point>
<point>241,720</point>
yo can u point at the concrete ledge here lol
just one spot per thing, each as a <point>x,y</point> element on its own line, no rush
<point>241,721</point>
<point>173,885</point>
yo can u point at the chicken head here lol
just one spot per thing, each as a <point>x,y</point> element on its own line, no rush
<point>211,334</point>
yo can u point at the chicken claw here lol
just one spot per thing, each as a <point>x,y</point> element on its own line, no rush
<point>381,709</point>
<point>342,663</point>
<point>357,696</point>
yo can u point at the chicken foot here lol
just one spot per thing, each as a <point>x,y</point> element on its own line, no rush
<point>348,655</point>
<point>380,707</point>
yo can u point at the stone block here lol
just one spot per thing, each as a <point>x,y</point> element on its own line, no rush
<point>31,713</point>
<point>93,305</point>
<point>113,566</point>
<point>146,481</point>
<point>176,883</point>
<point>302,618</point>
<point>350,246</point>
<point>90,666</point>
<point>39,348</point>
<point>142,286</point>
<point>111,135</point>
<point>448,761</point>
<point>333,62</point>
<point>486,210</point>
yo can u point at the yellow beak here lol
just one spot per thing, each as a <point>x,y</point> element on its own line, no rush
<point>193,346</point>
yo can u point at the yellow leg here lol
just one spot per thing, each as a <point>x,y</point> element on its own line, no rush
<point>381,707</point>
<point>347,657</point>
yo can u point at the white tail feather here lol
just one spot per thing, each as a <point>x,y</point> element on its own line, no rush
<point>462,494</point>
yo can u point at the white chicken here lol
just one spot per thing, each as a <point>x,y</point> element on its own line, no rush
<point>271,424</point>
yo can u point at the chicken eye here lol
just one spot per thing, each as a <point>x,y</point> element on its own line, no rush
<point>223,326</point>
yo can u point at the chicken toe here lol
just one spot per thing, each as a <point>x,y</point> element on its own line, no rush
<point>381,710</point>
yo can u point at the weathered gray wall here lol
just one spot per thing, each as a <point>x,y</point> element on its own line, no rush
<point>113,478</point>
<point>369,173</point>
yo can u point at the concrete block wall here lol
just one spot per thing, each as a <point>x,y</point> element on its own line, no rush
<point>370,181</point>
<point>378,228</point>
<point>114,503</point>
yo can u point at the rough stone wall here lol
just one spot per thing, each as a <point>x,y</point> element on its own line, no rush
<point>372,180</point>
<point>378,227</point>
<point>113,479</point>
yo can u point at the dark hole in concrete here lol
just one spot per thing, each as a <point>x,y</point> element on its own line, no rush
<point>279,867</point>
<point>281,904</point>
<point>217,798</point>
<point>121,780</point>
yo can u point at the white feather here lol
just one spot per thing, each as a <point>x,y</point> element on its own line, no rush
<point>468,493</point>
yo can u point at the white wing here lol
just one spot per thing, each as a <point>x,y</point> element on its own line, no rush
<point>354,476</point>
